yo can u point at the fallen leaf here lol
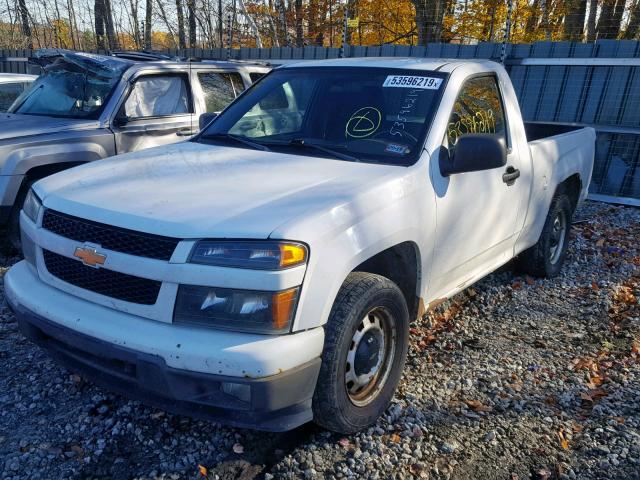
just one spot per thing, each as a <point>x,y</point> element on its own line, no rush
<point>478,406</point>
<point>344,442</point>
<point>529,280</point>
<point>238,448</point>
<point>203,470</point>
<point>600,242</point>
<point>564,443</point>
<point>395,438</point>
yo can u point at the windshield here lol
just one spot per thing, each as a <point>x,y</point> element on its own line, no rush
<point>69,89</point>
<point>357,114</point>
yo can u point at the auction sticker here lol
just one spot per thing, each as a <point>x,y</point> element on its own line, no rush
<point>412,81</point>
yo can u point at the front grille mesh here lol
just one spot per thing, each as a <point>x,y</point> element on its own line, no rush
<point>110,237</point>
<point>100,280</point>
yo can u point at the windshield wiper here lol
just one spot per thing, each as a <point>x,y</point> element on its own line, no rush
<point>238,139</point>
<point>302,143</point>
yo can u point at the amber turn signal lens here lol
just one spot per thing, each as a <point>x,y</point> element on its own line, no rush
<point>292,254</point>
<point>282,307</point>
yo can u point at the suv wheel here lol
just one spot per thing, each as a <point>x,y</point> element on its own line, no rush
<point>364,353</point>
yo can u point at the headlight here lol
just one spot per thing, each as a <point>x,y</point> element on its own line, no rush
<point>32,205</point>
<point>238,310</point>
<point>262,255</point>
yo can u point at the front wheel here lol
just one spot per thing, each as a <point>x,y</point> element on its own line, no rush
<point>364,353</point>
<point>546,257</point>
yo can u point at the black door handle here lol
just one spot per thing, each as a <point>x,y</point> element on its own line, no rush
<point>511,175</point>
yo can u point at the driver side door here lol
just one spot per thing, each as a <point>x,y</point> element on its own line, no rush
<point>476,210</point>
<point>158,110</point>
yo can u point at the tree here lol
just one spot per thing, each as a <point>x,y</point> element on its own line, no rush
<point>633,28</point>
<point>147,24</point>
<point>299,29</point>
<point>429,16</point>
<point>24,17</point>
<point>182,39</point>
<point>108,23</point>
<point>591,21</point>
<point>574,19</point>
<point>191,13</point>
<point>610,19</point>
<point>99,13</point>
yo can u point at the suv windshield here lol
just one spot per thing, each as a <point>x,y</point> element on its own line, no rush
<point>354,114</point>
<point>75,88</point>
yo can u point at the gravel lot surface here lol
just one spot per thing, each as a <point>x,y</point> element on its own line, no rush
<point>514,378</point>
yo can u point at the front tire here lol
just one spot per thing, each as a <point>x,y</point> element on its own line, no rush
<point>366,340</point>
<point>546,257</point>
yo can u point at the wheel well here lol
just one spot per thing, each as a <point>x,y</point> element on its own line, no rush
<point>571,187</point>
<point>36,173</point>
<point>400,265</point>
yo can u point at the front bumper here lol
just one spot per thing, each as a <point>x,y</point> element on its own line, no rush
<point>275,402</point>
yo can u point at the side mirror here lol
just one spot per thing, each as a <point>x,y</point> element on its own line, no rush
<point>205,119</point>
<point>474,152</point>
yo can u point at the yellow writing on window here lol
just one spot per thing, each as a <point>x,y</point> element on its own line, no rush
<point>482,121</point>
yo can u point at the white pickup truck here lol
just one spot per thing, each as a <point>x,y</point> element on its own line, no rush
<point>265,273</point>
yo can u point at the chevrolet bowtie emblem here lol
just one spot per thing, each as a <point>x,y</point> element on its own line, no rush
<point>90,256</point>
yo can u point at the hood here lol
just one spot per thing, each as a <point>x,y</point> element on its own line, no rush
<point>14,125</point>
<point>191,190</point>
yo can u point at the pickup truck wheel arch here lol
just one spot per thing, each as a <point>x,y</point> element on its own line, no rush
<point>401,265</point>
<point>336,405</point>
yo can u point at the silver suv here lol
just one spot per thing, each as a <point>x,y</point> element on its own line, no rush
<point>86,107</point>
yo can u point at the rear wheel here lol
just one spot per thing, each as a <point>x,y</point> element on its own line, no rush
<point>546,257</point>
<point>364,353</point>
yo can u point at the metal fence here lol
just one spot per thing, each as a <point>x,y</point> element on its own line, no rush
<point>595,84</point>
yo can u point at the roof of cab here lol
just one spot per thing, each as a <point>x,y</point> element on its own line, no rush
<point>411,63</point>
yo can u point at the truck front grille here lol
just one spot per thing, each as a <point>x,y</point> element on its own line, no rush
<point>110,237</point>
<point>100,280</point>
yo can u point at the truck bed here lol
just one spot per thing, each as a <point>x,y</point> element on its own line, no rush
<point>538,131</point>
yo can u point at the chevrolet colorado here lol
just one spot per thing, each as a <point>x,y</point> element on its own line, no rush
<point>265,273</point>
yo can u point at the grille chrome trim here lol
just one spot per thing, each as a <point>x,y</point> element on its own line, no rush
<point>120,286</point>
<point>109,237</point>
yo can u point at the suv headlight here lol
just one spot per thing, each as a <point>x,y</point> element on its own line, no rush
<point>238,310</point>
<point>254,254</point>
<point>31,205</point>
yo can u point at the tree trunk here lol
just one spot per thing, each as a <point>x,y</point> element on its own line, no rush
<point>182,39</point>
<point>191,12</point>
<point>610,18</point>
<point>26,28</point>
<point>147,25</point>
<point>429,16</point>
<point>252,23</point>
<point>98,9</point>
<point>299,29</point>
<point>574,20</point>
<point>633,29</point>
<point>108,23</point>
<point>591,21</point>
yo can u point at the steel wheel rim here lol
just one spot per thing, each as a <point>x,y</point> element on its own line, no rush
<point>370,356</point>
<point>558,233</point>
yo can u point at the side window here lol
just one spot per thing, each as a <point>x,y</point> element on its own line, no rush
<point>255,76</point>
<point>220,89</point>
<point>478,109</point>
<point>9,92</point>
<point>158,96</point>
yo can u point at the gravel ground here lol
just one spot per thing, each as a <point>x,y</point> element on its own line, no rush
<point>514,378</point>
